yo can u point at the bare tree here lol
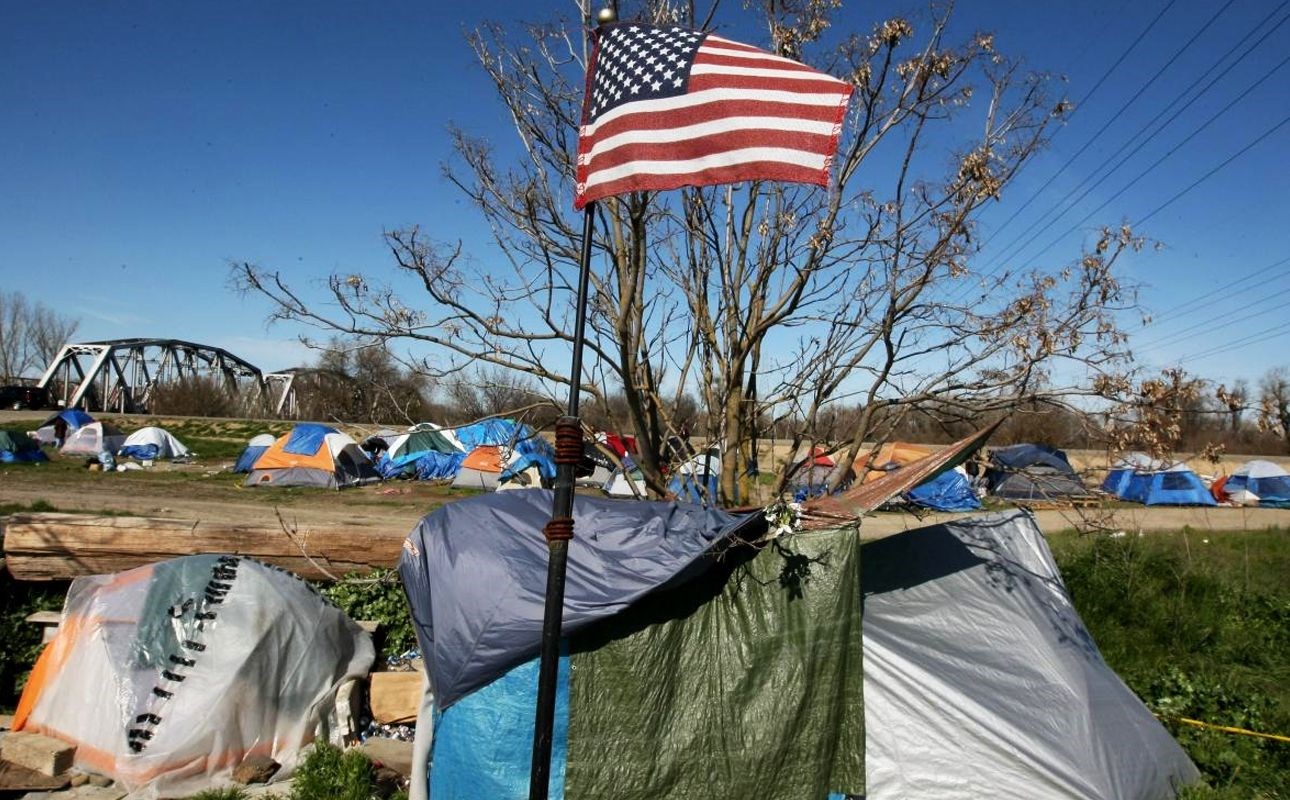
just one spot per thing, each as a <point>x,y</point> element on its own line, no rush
<point>30,334</point>
<point>767,302</point>
<point>1234,401</point>
<point>1274,403</point>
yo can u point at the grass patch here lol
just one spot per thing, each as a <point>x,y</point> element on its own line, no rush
<point>225,793</point>
<point>329,773</point>
<point>1198,625</point>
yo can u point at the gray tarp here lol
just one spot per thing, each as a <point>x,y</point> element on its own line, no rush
<point>475,574</point>
<point>981,680</point>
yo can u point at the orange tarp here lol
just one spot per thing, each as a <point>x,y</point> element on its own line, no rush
<point>872,465</point>
<point>485,458</point>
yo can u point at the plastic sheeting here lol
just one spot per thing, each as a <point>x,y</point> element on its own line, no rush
<point>981,680</point>
<point>475,574</point>
<point>14,447</point>
<point>167,676</point>
<point>949,491</point>
<point>152,442</point>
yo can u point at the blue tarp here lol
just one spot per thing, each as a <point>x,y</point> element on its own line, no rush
<point>141,452</point>
<point>690,489</point>
<point>74,417</point>
<point>475,624</point>
<point>949,491</point>
<point>438,466</point>
<point>248,458</point>
<point>536,451</point>
<point>306,438</point>
<point>21,456</point>
<point>483,745</point>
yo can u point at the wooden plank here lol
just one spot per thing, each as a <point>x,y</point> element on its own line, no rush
<point>52,546</point>
<point>36,752</point>
<point>14,778</point>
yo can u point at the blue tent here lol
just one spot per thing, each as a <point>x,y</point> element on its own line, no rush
<point>1175,486</point>
<point>949,491</point>
<point>254,449</point>
<point>1117,479</point>
<point>1267,481</point>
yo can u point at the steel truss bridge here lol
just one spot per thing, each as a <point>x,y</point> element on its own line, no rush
<point>122,374</point>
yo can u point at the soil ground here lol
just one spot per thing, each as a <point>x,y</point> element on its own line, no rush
<point>206,491</point>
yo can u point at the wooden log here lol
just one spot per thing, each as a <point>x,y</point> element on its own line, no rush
<point>51,546</point>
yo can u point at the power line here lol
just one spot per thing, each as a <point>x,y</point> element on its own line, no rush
<point>1253,339</point>
<point>1200,299</point>
<point>1079,104</point>
<point>1070,204</point>
<point>1177,337</point>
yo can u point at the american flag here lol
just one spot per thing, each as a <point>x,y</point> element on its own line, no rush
<point>668,107</point>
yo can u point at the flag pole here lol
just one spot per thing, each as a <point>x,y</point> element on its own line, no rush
<point>559,530</point>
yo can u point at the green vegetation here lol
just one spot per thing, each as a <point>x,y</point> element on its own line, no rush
<point>329,773</point>
<point>226,793</point>
<point>377,595</point>
<point>1198,624</point>
<point>21,639</point>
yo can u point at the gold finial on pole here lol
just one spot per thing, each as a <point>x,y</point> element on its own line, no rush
<point>606,16</point>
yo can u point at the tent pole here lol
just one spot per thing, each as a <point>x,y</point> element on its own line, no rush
<point>558,533</point>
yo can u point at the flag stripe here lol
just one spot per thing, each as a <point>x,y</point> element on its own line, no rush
<point>826,104</point>
<point>729,173</point>
<point>645,155</point>
<point>724,125</point>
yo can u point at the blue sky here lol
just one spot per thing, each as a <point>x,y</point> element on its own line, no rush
<point>144,145</point>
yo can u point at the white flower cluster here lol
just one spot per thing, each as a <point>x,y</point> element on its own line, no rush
<point>782,519</point>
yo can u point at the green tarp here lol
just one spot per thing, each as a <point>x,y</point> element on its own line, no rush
<point>743,683</point>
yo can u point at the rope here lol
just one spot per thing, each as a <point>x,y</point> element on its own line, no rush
<point>1195,723</point>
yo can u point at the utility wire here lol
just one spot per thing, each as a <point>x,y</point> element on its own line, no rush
<point>1188,305</point>
<point>1079,104</point>
<point>1255,338</point>
<point>1008,252</point>
<point>1177,337</point>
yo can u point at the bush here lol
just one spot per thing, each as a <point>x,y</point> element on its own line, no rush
<point>329,773</point>
<point>377,595</point>
<point>20,639</point>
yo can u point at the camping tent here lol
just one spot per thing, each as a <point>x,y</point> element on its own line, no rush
<point>73,418</point>
<point>1174,485</point>
<point>407,450</point>
<point>949,491</point>
<point>750,671</point>
<point>627,481</point>
<point>312,455</point>
<point>1266,480</point>
<point>254,449</point>
<point>167,675</point>
<point>696,480</point>
<point>1032,472</point>
<point>152,442</point>
<point>521,440</point>
<point>92,439</point>
<point>1118,476</point>
<point>809,475</point>
<point>15,447</point>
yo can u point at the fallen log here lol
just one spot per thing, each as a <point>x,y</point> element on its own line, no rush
<point>49,546</point>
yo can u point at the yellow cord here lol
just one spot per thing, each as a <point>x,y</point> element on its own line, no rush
<point>1195,723</point>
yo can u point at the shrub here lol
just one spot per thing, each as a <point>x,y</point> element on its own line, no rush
<point>377,595</point>
<point>21,639</point>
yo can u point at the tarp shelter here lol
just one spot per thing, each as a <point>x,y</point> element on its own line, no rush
<point>627,481</point>
<point>312,455</point>
<point>92,439</point>
<point>526,447</point>
<point>1118,476</point>
<point>407,449</point>
<point>696,479</point>
<point>73,418</point>
<point>1266,480</point>
<point>1032,472</point>
<point>254,449</point>
<point>978,678</point>
<point>151,443</point>
<point>949,491</point>
<point>483,468</point>
<point>166,676</point>
<point>1175,485</point>
<point>17,447</point>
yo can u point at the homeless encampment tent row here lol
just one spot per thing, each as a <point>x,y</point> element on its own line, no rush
<point>1033,472</point>
<point>312,455</point>
<point>701,665</point>
<point>1255,482</point>
<point>949,491</point>
<point>1141,479</point>
<point>166,676</point>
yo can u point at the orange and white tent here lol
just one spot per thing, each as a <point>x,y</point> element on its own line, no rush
<point>312,455</point>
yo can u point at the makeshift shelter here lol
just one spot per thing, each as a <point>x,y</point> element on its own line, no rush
<point>1174,485</point>
<point>809,475</point>
<point>949,491</point>
<point>627,481</point>
<point>1118,476</point>
<point>254,449</point>
<point>166,676</point>
<point>312,455</point>
<point>406,450</point>
<point>1032,472</point>
<point>72,418</point>
<point>16,447</point>
<point>1268,482</point>
<point>525,447</point>
<point>92,439</point>
<point>151,443</point>
<point>696,480</point>
<point>483,468</point>
<point>967,633</point>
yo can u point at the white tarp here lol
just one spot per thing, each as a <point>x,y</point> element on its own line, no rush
<point>981,680</point>
<point>167,445</point>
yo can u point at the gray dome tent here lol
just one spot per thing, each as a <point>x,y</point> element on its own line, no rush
<point>1032,472</point>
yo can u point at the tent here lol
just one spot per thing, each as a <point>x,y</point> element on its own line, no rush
<point>406,450</point>
<point>254,449</point>
<point>1174,485</point>
<point>532,449</point>
<point>626,481</point>
<point>949,491</point>
<point>709,668</point>
<point>1032,472</point>
<point>696,480</point>
<point>1266,480</point>
<point>1117,478</point>
<point>73,418</point>
<point>809,475</point>
<point>166,676</point>
<point>151,443</point>
<point>16,447</point>
<point>312,455</point>
<point>483,467</point>
<point>92,439</point>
